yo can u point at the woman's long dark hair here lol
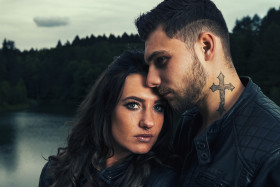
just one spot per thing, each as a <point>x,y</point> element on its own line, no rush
<point>90,142</point>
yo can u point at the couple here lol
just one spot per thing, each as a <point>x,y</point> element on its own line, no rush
<point>228,135</point>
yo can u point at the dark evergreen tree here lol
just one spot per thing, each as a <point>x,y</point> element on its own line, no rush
<point>58,45</point>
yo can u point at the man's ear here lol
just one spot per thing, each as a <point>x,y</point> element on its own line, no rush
<point>208,43</point>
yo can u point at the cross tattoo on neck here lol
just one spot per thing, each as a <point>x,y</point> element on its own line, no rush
<point>221,87</point>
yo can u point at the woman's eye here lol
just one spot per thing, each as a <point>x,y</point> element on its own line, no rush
<point>132,106</point>
<point>159,108</point>
<point>161,61</point>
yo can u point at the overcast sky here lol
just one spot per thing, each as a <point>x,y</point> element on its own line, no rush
<point>41,23</point>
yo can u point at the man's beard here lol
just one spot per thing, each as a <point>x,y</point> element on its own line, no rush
<point>190,92</point>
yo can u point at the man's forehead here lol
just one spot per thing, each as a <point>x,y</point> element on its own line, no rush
<point>156,46</point>
<point>153,45</point>
<point>146,53</point>
<point>151,49</point>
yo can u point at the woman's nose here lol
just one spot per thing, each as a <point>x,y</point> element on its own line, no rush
<point>153,78</point>
<point>147,121</point>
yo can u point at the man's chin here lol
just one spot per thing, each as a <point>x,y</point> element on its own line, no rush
<point>175,105</point>
<point>180,106</point>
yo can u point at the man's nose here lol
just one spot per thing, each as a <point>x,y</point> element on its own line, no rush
<point>147,121</point>
<point>153,78</point>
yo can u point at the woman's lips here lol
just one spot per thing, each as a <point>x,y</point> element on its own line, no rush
<point>145,138</point>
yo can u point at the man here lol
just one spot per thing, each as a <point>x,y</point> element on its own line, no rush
<point>230,132</point>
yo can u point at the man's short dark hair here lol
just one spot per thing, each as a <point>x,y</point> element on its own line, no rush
<point>185,20</point>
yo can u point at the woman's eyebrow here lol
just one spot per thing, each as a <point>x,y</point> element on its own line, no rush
<point>134,98</point>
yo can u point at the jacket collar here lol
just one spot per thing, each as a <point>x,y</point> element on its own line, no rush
<point>109,175</point>
<point>248,94</point>
<point>203,141</point>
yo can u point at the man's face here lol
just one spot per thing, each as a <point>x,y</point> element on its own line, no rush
<point>175,70</point>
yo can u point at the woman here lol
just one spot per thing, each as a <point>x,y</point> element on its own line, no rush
<point>121,136</point>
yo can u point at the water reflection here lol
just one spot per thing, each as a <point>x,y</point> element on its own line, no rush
<point>25,138</point>
<point>7,144</point>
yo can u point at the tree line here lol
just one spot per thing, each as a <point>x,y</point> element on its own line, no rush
<point>255,45</point>
<point>66,72</point>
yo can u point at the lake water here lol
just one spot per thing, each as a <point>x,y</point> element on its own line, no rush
<point>25,138</point>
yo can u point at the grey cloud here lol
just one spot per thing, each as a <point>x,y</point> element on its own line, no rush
<point>51,21</point>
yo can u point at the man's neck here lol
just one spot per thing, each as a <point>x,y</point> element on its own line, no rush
<point>222,95</point>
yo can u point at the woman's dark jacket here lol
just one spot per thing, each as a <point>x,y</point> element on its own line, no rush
<point>159,177</point>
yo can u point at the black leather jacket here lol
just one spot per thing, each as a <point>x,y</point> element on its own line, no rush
<point>240,149</point>
<point>160,176</point>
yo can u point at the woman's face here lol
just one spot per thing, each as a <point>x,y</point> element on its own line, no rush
<point>138,117</point>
